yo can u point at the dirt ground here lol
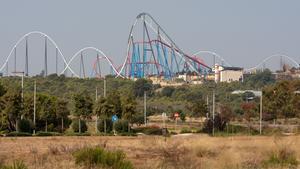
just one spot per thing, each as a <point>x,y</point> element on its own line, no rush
<point>180,151</point>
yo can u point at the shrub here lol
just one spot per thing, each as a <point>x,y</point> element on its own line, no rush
<point>75,125</point>
<point>185,130</point>
<point>15,165</point>
<point>77,134</point>
<point>149,130</point>
<point>48,134</point>
<point>109,125</point>
<point>24,126</point>
<point>16,134</point>
<point>182,116</point>
<point>98,157</point>
<point>121,126</point>
<point>218,123</point>
<point>282,156</point>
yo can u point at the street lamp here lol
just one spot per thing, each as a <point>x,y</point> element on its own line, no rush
<point>258,94</point>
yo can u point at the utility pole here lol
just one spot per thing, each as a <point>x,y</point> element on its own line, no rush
<point>260,114</point>
<point>207,114</point>
<point>104,87</point>
<point>26,57</point>
<point>15,53</point>
<point>34,106</point>
<point>96,127</point>
<point>145,108</point>
<point>213,99</point>
<point>56,61</point>
<point>213,113</point>
<point>46,58</point>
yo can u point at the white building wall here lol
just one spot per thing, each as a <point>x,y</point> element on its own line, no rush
<point>231,75</point>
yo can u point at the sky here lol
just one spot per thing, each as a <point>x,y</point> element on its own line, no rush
<point>243,32</point>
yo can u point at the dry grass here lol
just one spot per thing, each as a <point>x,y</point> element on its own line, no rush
<point>188,151</point>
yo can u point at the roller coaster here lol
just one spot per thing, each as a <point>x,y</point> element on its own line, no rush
<point>150,52</point>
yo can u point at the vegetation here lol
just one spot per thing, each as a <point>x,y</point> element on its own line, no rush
<point>61,100</point>
<point>98,157</point>
<point>14,165</point>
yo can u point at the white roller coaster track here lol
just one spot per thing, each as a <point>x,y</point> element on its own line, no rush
<point>270,57</point>
<point>212,53</point>
<point>90,48</point>
<point>39,33</point>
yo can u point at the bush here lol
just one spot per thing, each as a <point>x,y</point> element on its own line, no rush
<point>17,134</point>
<point>77,134</point>
<point>182,116</point>
<point>98,157</point>
<point>109,125</point>
<point>75,125</point>
<point>185,130</point>
<point>283,156</point>
<point>149,130</point>
<point>15,165</point>
<point>24,126</point>
<point>48,134</point>
<point>121,126</point>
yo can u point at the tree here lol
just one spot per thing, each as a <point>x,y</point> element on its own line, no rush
<point>83,107</point>
<point>12,110</point>
<point>103,109</point>
<point>46,104</point>
<point>278,100</point>
<point>142,85</point>
<point>113,98</point>
<point>249,111</point>
<point>198,108</point>
<point>62,111</point>
<point>260,79</point>
<point>167,91</point>
<point>129,109</point>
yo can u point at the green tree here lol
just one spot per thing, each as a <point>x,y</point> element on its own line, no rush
<point>129,109</point>
<point>47,109</point>
<point>83,106</point>
<point>113,98</point>
<point>104,110</point>
<point>167,91</point>
<point>12,110</point>
<point>142,85</point>
<point>62,111</point>
<point>198,108</point>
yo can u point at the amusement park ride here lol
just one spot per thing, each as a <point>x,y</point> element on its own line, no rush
<point>150,53</point>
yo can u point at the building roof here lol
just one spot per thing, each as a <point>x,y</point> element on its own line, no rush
<point>232,68</point>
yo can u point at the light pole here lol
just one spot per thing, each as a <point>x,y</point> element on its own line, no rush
<point>34,106</point>
<point>260,112</point>
<point>96,126</point>
<point>145,108</point>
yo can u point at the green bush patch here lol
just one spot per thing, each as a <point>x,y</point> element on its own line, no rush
<point>18,134</point>
<point>98,157</point>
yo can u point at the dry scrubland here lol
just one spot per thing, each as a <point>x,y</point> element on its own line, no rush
<point>181,151</point>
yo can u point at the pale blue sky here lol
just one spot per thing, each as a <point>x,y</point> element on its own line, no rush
<point>242,31</point>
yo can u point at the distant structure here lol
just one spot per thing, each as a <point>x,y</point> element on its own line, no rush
<point>287,73</point>
<point>228,74</point>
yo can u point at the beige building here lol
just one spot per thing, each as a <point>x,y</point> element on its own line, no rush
<point>228,74</point>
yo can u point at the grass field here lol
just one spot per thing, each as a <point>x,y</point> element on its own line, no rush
<point>181,151</point>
